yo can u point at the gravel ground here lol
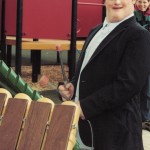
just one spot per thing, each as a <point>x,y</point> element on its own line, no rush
<point>52,72</point>
<point>53,75</point>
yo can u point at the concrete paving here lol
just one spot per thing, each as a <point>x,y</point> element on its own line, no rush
<point>146,139</point>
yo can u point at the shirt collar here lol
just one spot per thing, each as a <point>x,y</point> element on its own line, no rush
<point>114,24</point>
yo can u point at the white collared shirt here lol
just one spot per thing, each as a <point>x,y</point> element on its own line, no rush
<point>94,43</point>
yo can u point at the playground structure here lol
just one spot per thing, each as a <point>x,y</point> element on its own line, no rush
<point>39,124</point>
<point>10,105</point>
<point>51,19</point>
<point>14,83</point>
<point>36,126</point>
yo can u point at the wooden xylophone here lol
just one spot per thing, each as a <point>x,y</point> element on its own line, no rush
<point>36,125</point>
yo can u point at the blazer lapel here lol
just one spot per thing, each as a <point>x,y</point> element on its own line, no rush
<point>91,35</point>
<point>122,27</point>
<point>105,42</point>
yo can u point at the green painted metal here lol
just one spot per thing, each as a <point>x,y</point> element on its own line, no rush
<point>14,83</point>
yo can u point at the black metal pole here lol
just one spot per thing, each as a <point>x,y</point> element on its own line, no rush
<point>72,52</point>
<point>18,59</point>
<point>103,12</point>
<point>36,63</point>
<point>3,36</point>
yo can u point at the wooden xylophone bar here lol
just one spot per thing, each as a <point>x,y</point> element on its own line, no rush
<point>36,125</point>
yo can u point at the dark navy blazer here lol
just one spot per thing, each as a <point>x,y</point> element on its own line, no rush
<point>110,85</point>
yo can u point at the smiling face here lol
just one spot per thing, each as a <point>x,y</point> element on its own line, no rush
<point>117,10</point>
<point>142,4</point>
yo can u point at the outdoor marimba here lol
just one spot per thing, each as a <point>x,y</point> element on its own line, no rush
<point>36,125</point>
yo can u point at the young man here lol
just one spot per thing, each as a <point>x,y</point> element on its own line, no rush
<point>110,74</point>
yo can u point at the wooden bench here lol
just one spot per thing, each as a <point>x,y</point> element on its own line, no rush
<point>36,125</point>
<point>36,47</point>
<point>43,44</point>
